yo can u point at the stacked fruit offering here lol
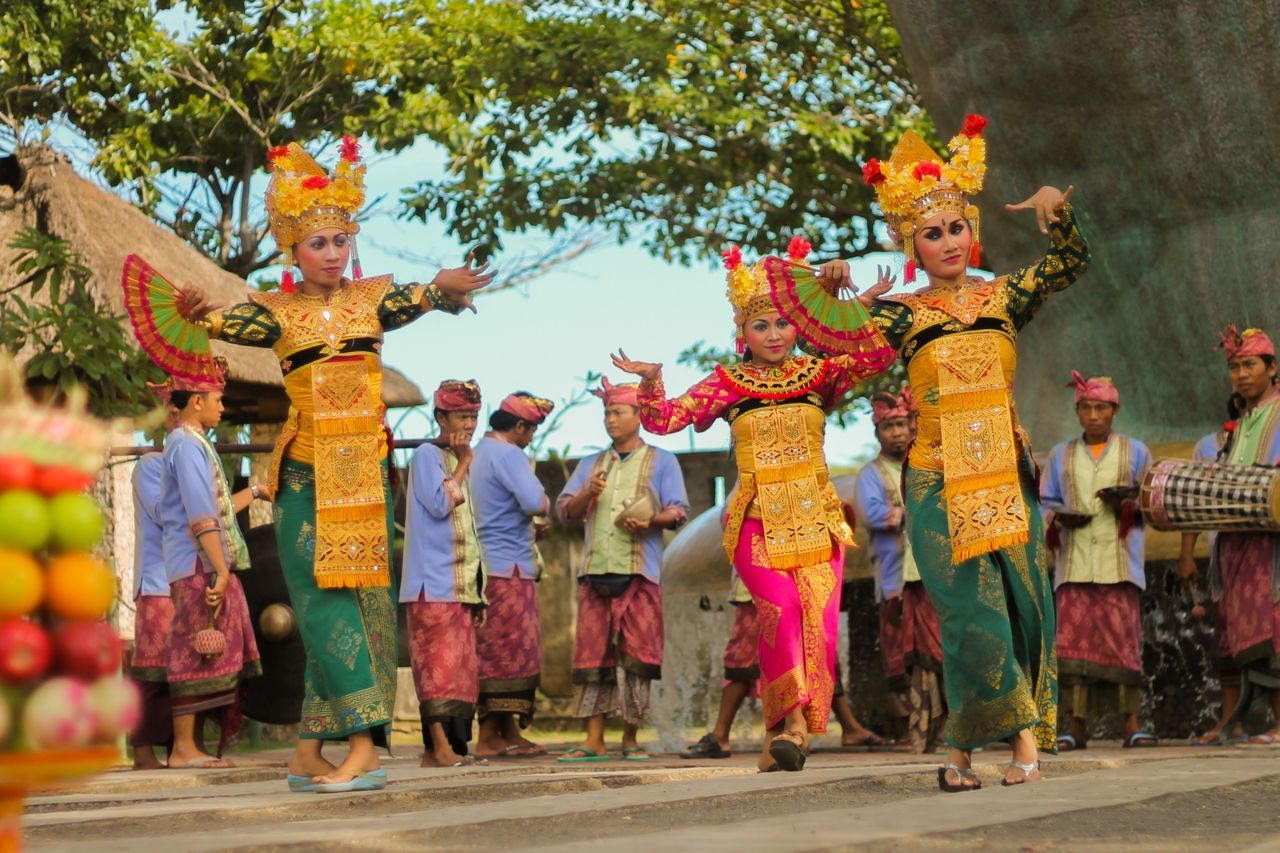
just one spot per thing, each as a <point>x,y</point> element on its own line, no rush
<point>60,687</point>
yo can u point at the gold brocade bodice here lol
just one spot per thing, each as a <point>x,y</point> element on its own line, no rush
<point>784,479</point>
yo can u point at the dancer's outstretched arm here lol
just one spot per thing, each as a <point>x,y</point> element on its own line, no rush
<point>700,405</point>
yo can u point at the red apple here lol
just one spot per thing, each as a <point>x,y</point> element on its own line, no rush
<point>16,472</point>
<point>87,650</point>
<point>25,651</point>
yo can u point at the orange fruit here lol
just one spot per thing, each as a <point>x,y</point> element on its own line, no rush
<point>79,586</point>
<point>21,583</point>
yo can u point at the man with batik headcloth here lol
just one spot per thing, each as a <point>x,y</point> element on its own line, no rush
<point>1089,492</point>
<point>442,585</point>
<point>1244,566</point>
<point>153,609</point>
<point>507,497</point>
<point>202,548</point>
<point>626,496</point>
<point>910,638</point>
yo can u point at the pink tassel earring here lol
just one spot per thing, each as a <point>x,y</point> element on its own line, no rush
<point>286,280</point>
<point>356,272</point>
<point>909,271</point>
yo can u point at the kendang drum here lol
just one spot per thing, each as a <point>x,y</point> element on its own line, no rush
<point>1179,494</point>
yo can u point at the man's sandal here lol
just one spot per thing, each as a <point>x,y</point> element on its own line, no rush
<point>964,773</point>
<point>1027,770</point>
<point>788,753</point>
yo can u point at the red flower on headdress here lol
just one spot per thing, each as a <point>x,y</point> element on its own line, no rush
<point>732,257</point>
<point>799,248</point>
<point>1230,426</point>
<point>974,124</point>
<point>927,167</point>
<point>315,182</point>
<point>871,172</point>
<point>277,153</point>
<point>350,150</point>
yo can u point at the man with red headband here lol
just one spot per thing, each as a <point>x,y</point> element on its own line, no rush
<point>625,496</point>
<point>1089,493</point>
<point>442,585</point>
<point>910,641</point>
<point>507,496</point>
<point>1244,569</point>
<point>202,549</point>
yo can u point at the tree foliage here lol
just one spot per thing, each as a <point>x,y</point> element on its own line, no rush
<point>52,319</point>
<point>689,122</point>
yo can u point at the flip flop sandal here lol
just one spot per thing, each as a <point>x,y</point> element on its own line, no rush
<point>636,755</point>
<point>209,763</point>
<point>787,753</point>
<point>706,747</point>
<point>1027,770</point>
<point>470,761</point>
<point>1136,739</point>
<point>302,784</point>
<point>1069,743</point>
<point>964,773</point>
<point>374,780</point>
<point>578,754</point>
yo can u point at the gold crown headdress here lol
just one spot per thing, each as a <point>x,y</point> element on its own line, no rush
<point>748,289</point>
<point>915,184</point>
<point>302,198</point>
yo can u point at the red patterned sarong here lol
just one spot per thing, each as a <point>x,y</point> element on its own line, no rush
<point>152,621</point>
<point>1099,648</point>
<point>1250,620</point>
<point>742,652</point>
<point>197,684</point>
<point>442,648</point>
<point>622,631</point>
<point>891,641</point>
<point>799,615</point>
<point>922,635</point>
<point>509,648</point>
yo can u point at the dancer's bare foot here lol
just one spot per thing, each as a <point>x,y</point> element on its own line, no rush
<point>307,760</point>
<point>440,758</point>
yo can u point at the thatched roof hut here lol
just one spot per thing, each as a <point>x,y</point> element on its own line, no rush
<point>39,188</point>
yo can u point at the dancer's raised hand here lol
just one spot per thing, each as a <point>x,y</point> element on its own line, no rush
<point>1046,202</point>
<point>836,275</point>
<point>194,305</point>
<point>460,282</point>
<point>643,369</point>
<point>884,283</point>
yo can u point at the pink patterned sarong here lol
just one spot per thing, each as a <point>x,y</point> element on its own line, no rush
<point>152,622</point>
<point>509,648</point>
<point>799,618</point>
<point>442,648</point>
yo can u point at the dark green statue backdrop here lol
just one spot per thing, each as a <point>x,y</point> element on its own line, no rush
<point>1165,114</point>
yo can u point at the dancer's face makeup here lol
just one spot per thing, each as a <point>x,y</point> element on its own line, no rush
<point>770,337</point>
<point>942,245</point>
<point>323,255</point>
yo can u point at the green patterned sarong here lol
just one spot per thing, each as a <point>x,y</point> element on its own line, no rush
<point>996,611</point>
<point>349,634</point>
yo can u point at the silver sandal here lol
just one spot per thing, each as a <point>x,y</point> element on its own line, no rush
<point>1027,770</point>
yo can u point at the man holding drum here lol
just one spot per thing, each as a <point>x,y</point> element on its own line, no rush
<point>1244,571</point>
<point>1089,492</point>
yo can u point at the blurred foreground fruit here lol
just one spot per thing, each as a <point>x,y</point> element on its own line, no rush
<point>88,650</point>
<point>76,522</point>
<point>25,651</point>
<point>24,520</point>
<point>79,587</point>
<point>21,583</point>
<point>58,715</point>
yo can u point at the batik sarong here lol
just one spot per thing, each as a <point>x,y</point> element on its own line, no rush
<point>442,649</point>
<point>997,624</point>
<point>892,638</point>
<point>148,668</point>
<point>1250,615</point>
<point>622,631</point>
<point>349,634</point>
<point>153,619</point>
<point>197,684</point>
<point>799,615</point>
<point>921,635</point>
<point>509,648</point>
<point>1099,648</point>
<point>742,652</point>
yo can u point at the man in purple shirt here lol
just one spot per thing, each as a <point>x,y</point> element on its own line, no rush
<point>442,585</point>
<point>507,496</point>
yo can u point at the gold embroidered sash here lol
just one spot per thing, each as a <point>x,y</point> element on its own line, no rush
<point>782,469</point>
<point>985,511</point>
